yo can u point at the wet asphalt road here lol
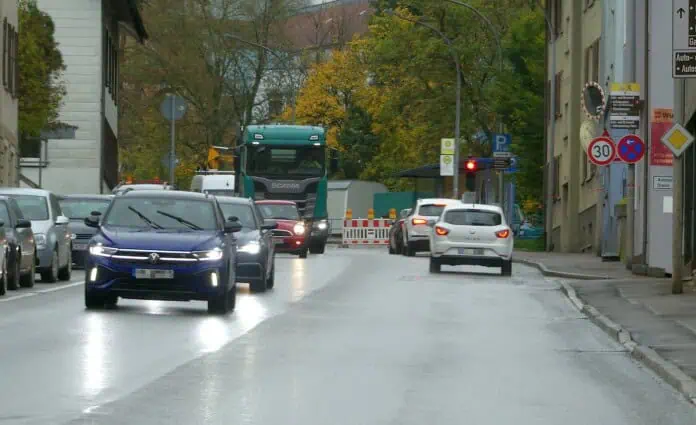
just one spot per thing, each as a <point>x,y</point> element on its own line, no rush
<point>350,337</point>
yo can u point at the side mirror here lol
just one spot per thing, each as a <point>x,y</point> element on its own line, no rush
<point>23,224</point>
<point>269,225</point>
<point>62,220</point>
<point>232,218</point>
<point>233,226</point>
<point>92,221</point>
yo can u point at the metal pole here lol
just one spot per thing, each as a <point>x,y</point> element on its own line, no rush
<point>172,141</point>
<point>42,152</point>
<point>631,177</point>
<point>677,218</point>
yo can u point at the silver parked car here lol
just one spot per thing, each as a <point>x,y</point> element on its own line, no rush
<point>77,208</point>
<point>50,227</point>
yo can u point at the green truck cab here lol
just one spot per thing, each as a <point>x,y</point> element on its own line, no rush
<point>292,163</point>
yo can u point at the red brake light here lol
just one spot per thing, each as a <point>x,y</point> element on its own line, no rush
<point>503,233</point>
<point>417,221</point>
<point>441,231</point>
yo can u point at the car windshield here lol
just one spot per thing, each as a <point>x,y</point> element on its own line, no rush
<point>279,211</point>
<point>4,214</point>
<point>431,210</point>
<point>81,208</point>
<point>286,161</point>
<point>161,213</point>
<point>244,214</point>
<point>471,217</point>
<point>33,207</point>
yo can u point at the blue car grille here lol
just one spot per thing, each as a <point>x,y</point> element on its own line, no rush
<point>131,256</point>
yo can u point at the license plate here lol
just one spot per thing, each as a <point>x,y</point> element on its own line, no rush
<point>470,251</point>
<point>153,274</point>
<point>79,246</point>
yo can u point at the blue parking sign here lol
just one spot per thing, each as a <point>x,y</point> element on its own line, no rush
<point>502,142</point>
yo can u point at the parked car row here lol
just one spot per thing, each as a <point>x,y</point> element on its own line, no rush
<point>455,233</point>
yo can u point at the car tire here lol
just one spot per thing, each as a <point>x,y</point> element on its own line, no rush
<point>410,252</point>
<point>507,268</point>
<point>435,266</point>
<point>303,253</point>
<point>317,248</point>
<point>66,272</point>
<point>28,280</point>
<point>50,275</point>
<point>110,301</point>
<point>220,304</point>
<point>93,302</point>
<point>259,285</point>
<point>271,279</point>
<point>13,278</point>
<point>3,282</point>
<point>392,251</point>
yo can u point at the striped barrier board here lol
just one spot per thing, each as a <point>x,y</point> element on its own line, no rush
<point>363,231</point>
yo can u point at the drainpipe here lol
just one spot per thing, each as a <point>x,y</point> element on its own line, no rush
<point>646,159</point>
<point>102,102</point>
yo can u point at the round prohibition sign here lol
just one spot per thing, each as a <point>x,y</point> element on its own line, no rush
<point>601,151</point>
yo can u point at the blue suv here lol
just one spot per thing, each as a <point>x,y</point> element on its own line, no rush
<point>162,245</point>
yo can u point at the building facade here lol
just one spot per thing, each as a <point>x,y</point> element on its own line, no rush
<point>84,159</point>
<point>577,39</point>
<point>9,151</point>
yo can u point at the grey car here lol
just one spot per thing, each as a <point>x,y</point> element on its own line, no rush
<point>50,227</point>
<point>21,248</point>
<point>77,208</point>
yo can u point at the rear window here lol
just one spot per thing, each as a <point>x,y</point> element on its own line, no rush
<point>473,218</point>
<point>431,210</point>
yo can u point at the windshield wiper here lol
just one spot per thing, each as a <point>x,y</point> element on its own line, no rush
<point>145,219</point>
<point>180,220</point>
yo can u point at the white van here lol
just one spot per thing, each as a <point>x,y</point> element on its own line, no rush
<point>220,183</point>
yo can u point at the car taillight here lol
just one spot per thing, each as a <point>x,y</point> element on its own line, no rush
<point>441,231</point>
<point>417,221</point>
<point>503,233</point>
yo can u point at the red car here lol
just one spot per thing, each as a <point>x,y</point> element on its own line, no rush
<point>291,234</point>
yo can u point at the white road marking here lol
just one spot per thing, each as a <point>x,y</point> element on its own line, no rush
<point>33,293</point>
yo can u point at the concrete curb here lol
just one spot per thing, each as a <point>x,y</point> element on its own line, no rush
<point>646,355</point>
<point>555,273</point>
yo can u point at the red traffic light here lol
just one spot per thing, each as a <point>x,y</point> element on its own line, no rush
<point>470,165</point>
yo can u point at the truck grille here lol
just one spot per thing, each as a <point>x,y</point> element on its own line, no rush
<point>306,201</point>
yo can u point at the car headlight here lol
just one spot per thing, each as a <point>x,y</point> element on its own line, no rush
<point>209,255</point>
<point>73,236</point>
<point>102,251</point>
<point>299,229</point>
<point>250,248</point>
<point>322,225</point>
<point>40,240</point>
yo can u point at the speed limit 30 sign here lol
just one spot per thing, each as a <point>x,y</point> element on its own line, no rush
<point>601,151</point>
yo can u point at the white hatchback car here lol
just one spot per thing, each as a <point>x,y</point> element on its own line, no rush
<point>471,234</point>
<point>416,234</point>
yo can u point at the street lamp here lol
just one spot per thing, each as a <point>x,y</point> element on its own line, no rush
<point>284,64</point>
<point>455,185</point>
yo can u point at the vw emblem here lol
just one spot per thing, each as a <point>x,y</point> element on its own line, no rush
<point>154,258</point>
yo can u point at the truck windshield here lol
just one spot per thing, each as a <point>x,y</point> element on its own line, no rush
<point>286,160</point>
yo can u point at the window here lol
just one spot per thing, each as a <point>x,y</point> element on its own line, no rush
<point>81,208</point>
<point>472,217</point>
<point>295,161</point>
<point>34,208</point>
<point>110,65</point>
<point>5,215</point>
<point>279,211</point>
<point>595,61</point>
<point>10,74</point>
<point>558,17</point>
<point>557,96</point>
<point>162,213</point>
<point>244,214</point>
<point>557,177</point>
<point>430,210</point>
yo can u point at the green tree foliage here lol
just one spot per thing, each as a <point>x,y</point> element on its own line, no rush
<point>40,67</point>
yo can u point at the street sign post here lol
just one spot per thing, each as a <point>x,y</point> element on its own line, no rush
<point>677,139</point>
<point>684,38</point>
<point>501,146</point>
<point>630,149</point>
<point>601,151</point>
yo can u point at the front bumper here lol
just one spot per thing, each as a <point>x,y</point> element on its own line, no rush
<point>192,281</point>
<point>249,266</point>
<point>290,244</point>
<point>45,257</point>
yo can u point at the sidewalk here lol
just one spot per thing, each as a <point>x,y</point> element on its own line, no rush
<point>656,327</point>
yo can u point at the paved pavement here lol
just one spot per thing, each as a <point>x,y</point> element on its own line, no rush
<point>643,307</point>
<point>350,337</point>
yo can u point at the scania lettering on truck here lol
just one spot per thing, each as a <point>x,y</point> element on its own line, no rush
<point>289,163</point>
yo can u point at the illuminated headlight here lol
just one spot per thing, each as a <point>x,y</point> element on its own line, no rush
<point>73,236</point>
<point>40,239</point>
<point>322,225</point>
<point>102,251</point>
<point>299,229</point>
<point>210,255</point>
<point>250,248</point>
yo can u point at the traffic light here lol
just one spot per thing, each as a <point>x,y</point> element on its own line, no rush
<point>470,168</point>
